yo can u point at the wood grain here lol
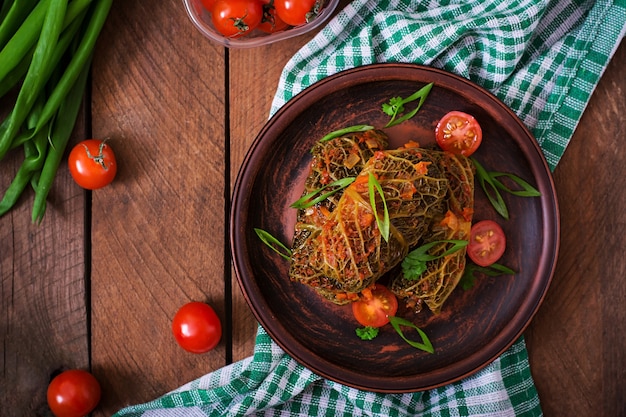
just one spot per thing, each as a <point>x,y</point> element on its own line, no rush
<point>97,283</point>
<point>576,343</point>
<point>157,232</point>
<point>43,326</point>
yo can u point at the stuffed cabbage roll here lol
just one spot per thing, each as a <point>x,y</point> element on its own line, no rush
<point>333,160</point>
<point>348,252</point>
<point>435,285</point>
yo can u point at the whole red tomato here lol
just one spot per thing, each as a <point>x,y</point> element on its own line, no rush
<point>234,18</point>
<point>296,12</point>
<point>73,393</point>
<point>196,327</point>
<point>271,22</point>
<point>92,164</point>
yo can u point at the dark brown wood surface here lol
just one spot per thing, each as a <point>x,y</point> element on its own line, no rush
<point>96,284</point>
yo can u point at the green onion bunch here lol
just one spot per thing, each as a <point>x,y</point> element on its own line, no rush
<point>46,48</point>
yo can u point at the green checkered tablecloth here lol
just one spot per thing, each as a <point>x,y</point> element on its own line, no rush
<point>543,59</point>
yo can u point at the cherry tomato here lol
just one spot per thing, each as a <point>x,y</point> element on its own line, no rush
<point>295,12</point>
<point>487,243</point>
<point>374,306</point>
<point>196,327</point>
<point>271,22</point>
<point>459,133</point>
<point>234,18</point>
<point>92,164</point>
<point>208,4</point>
<point>73,393</point>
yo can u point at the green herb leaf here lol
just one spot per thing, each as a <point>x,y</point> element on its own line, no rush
<point>425,345</point>
<point>367,333</point>
<point>276,245</point>
<point>383,225</point>
<point>395,106</point>
<point>468,279</point>
<point>490,189</point>
<point>526,191</point>
<point>316,196</point>
<point>414,265</point>
<point>491,185</point>
<point>344,131</point>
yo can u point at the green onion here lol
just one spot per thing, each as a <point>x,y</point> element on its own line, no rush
<point>316,196</point>
<point>396,105</point>
<point>469,275</point>
<point>424,345</point>
<point>275,244</point>
<point>344,131</point>
<point>526,191</point>
<point>383,225</point>
<point>491,185</point>
<point>414,265</point>
<point>46,48</point>
<point>491,190</point>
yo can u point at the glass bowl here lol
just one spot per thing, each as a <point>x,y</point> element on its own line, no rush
<point>201,18</point>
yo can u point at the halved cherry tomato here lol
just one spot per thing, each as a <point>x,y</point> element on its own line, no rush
<point>92,164</point>
<point>459,133</point>
<point>487,243</point>
<point>295,12</point>
<point>374,306</point>
<point>73,393</point>
<point>234,18</point>
<point>196,327</point>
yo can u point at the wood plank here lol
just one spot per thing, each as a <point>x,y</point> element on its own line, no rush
<point>254,75</point>
<point>253,79</point>
<point>157,238</point>
<point>43,327</point>
<point>576,342</point>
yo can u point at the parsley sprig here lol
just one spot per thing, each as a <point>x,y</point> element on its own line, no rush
<point>367,332</point>
<point>395,106</point>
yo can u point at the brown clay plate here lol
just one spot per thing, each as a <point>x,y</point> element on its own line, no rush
<point>476,325</point>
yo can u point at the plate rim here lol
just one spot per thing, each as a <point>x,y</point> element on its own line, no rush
<point>284,339</point>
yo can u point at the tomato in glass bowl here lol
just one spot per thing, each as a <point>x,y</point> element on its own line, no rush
<point>242,35</point>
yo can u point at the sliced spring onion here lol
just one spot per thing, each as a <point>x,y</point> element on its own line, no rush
<point>383,225</point>
<point>317,196</point>
<point>396,105</point>
<point>274,244</point>
<point>425,345</point>
<point>345,131</point>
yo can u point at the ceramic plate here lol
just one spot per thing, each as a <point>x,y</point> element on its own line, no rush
<point>475,325</point>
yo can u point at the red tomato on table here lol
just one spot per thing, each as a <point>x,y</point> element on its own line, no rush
<point>92,164</point>
<point>459,133</point>
<point>374,306</point>
<point>73,393</point>
<point>487,243</point>
<point>196,327</point>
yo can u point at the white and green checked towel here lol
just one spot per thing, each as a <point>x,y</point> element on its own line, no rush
<point>543,59</point>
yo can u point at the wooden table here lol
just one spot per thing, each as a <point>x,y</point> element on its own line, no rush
<point>97,283</point>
